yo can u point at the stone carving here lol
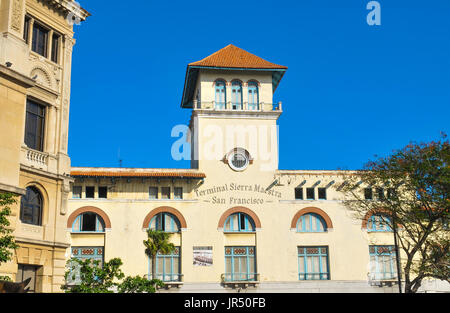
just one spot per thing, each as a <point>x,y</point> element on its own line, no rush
<point>41,76</point>
<point>16,17</point>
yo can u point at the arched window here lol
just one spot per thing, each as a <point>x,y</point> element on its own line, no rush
<point>253,96</point>
<point>236,95</point>
<point>221,95</point>
<point>31,207</point>
<point>88,222</point>
<point>239,222</point>
<point>311,223</point>
<point>379,222</point>
<point>166,222</point>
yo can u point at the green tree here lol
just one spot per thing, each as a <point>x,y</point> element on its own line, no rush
<point>138,284</point>
<point>7,243</point>
<point>88,276</point>
<point>413,189</point>
<point>157,242</point>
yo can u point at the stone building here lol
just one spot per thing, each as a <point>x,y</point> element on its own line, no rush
<point>237,221</point>
<point>36,45</point>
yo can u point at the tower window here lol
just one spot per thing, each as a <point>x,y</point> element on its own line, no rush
<point>253,96</point>
<point>221,97</point>
<point>236,95</point>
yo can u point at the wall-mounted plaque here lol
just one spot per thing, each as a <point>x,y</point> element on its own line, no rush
<point>203,256</point>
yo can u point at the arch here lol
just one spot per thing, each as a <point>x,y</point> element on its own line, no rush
<point>92,209</point>
<point>164,209</point>
<point>220,80</point>
<point>253,95</point>
<point>238,209</point>
<point>254,81</point>
<point>43,77</point>
<point>317,211</point>
<point>220,94</point>
<point>237,80</point>
<point>366,218</point>
<point>32,206</point>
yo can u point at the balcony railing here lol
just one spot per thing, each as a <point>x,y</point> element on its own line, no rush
<point>37,157</point>
<point>240,277</point>
<point>313,276</point>
<point>168,278</point>
<point>34,158</point>
<point>245,106</point>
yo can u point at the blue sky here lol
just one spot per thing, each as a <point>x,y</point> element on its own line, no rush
<point>352,90</point>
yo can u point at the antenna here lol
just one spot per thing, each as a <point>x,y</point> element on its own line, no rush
<point>120,160</point>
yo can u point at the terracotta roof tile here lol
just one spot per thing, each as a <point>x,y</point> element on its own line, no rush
<point>234,57</point>
<point>126,172</point>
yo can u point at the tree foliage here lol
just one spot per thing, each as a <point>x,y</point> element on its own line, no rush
<point>413,188</point>
<point>138,284</point>
<point>88,276</point>
<point>7,243</point>
<point>157,242</point>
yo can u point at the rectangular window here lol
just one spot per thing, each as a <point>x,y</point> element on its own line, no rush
<point>90,191</point>
<point>298,193</point>
<point>34,125</point>
<point>55,48</point>
<point>240,264</point>
<point>383,264</point>
<point>322,193</point>
<point>313,263</point>
<point>26,28</point>
<point>368,193</point>
<point>310,193</point>
<point>103,192</point>
<point>165,192</point>
<point>76,192</point>
<point>167,266</point>
<point>25,271</point>
<point>40,39</point>
<point>178,193</point>
<point>380,193</point>
<point>84,253</point>
<point>153,192</point>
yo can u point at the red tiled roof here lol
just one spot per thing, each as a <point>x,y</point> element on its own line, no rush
<point>119,172</point>
<point>234,57</point>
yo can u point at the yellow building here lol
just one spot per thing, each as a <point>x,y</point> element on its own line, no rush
<point>238,222</point>
<point>36,45</point>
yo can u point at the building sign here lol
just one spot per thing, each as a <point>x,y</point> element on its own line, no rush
<point>203,256</point>
<point>254,194</point>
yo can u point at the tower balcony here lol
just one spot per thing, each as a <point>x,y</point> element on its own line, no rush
<point>244,106</point>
